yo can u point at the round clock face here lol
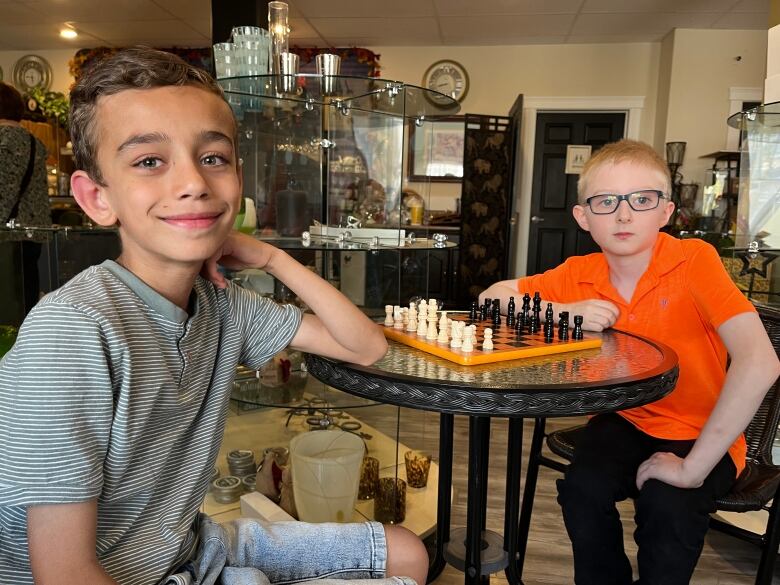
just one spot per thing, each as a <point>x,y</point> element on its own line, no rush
<point>447,77</point>
<point>32,71</point>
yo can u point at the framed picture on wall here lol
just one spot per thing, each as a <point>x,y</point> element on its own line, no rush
<point>436,150</point>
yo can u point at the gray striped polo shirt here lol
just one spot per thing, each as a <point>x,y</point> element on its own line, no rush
<point>113,392</point>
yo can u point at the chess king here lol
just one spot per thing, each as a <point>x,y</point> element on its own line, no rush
<point>677,455</point>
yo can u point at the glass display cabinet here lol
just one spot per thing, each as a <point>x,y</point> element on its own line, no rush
<point>323,165</point>
<point>757,243</point>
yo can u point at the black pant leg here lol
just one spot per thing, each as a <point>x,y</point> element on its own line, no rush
<point>31,252</point>
<point>672,522</point>
<point>602,473</point>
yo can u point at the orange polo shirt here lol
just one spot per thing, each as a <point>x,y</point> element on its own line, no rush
<point>681,300</point>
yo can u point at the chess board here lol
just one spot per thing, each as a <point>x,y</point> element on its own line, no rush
<point>507,345</point>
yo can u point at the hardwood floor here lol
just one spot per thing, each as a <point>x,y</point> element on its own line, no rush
<point>725,560</point>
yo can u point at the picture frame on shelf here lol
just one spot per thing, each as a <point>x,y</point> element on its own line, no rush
<point>436,150</point>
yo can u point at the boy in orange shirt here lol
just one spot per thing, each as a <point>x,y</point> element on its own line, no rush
<point>677,455</point>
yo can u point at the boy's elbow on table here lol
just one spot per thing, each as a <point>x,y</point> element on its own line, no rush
<point>375,350</point>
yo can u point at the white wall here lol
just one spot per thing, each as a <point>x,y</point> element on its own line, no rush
<point>499,73</point>
<point>58,59</point>
<point>704,67</point>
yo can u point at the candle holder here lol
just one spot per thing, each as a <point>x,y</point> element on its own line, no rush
<point>279,31</point>
<point>369,478</point>
<point>418,464</point>
<point>390,501</point>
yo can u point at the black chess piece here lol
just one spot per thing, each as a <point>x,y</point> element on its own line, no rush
<point>520,321</point>
<point>537,309</point>
<point>563,326</point>
<point>495,314</point>
<point>510,308</point>
<point>548,314</point>
<point>533,325</point>
<point>510,319</point>
<point>577,333</point>
<point>473,311</point>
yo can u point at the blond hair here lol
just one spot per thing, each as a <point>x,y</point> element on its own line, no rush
<point>625,150</point>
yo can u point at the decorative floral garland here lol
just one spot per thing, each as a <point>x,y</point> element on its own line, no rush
<point>367,58</point>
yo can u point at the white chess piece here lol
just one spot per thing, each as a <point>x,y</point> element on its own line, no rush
<point>468,344</point>
<point>389,316</point>
<point>443,337</point>
<point>443,321</point>
<point>487,343</point>
<point>457,337</point>
<point>398,318</point>
<point>432,333</point>
<point>411,324</point>
<point>422,324</point>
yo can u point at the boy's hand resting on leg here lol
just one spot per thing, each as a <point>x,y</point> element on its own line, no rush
<point>597,315</point>
<point>668,468</point>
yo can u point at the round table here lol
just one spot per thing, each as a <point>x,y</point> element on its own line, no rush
<point>626,371</point>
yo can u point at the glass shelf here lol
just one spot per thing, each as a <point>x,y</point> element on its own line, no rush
<point>370,94</point>
<point>299,393</point>
<point>365,245</point>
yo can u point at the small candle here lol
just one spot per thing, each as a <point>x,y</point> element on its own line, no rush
<point>390,501</point>
<point>369,478</point>
<point>418,464</point>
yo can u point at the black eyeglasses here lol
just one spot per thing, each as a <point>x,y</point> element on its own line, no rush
<point>638,201</point>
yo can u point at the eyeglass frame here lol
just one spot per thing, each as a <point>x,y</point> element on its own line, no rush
<point>621,198</point>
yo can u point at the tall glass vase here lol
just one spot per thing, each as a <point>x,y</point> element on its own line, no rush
<point>277,26</point>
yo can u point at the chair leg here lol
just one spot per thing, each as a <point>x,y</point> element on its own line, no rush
<point>529,492</point>
<point>766,567</point>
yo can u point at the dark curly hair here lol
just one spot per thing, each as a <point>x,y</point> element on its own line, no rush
<point>136,68</point>
<point>11,103</point>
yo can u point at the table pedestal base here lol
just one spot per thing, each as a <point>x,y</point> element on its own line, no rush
<point>493,557</point>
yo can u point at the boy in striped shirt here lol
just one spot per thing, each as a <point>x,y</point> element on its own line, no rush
<point>113,400</point>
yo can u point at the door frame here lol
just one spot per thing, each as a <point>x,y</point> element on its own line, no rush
<point>631,106</point>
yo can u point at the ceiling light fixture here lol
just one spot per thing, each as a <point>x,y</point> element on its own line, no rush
<point>68,33</point>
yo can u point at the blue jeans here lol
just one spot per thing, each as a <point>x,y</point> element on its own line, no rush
<point>247,551</point>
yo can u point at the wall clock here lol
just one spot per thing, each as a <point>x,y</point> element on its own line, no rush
<point>447,77</point>
<point>32,71</point>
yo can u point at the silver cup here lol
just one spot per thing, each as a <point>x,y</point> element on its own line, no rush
<point>328,65</point>
<point>288,69</point>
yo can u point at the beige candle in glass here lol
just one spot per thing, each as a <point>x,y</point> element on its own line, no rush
<point>418,465</point>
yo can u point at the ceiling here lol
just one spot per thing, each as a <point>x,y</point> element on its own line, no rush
<point>35,24</point>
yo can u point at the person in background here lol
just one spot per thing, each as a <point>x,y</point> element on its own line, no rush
<point>23,190</point>
<point>676,456</point>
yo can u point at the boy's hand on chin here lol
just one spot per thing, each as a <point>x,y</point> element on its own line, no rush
<point>597,315</point>
<point>668,468</point>
<point>238,251</point>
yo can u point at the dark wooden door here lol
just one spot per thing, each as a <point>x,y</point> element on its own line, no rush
<point>554,235</point>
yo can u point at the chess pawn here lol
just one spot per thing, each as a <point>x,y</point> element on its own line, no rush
<point>456,341</point>
<point>577,333</point>
<point>487,343</point>
<point>389,316</point>
<point>443,337</point>
<point>405,315</point>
